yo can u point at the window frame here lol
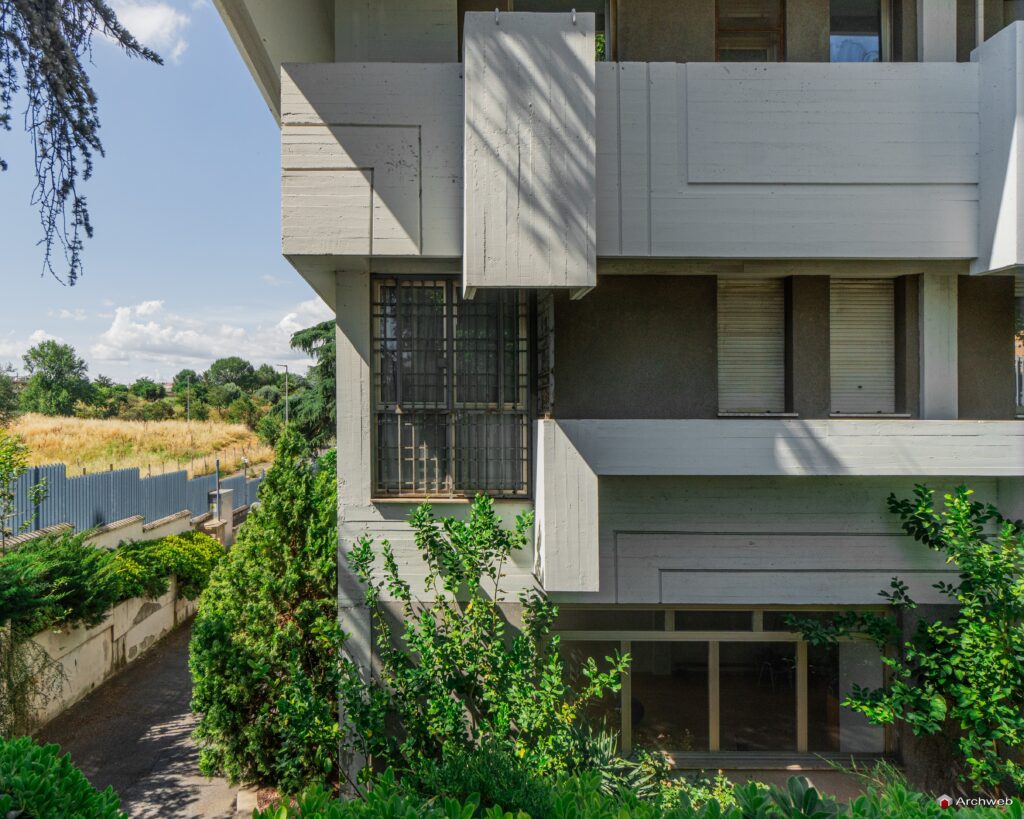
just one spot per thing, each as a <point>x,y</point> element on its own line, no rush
<point>451,407</point>
<point>885,32</point>
<point>714,638</point>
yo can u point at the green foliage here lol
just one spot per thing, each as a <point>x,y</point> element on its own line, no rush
<point>8,396</point>
<point>264,650</point>
<point>232,370</point>
<point>58,379</point>
<point>243,410</point>
<point>144,568</point>
<point>581,797</point>
<point>13,465</point>
<point>269,428</point>
<point>58,580</point>
<point>313,409</point>
<point>493,772</point>
<point>222,395</point>
<point>77,583</point>
<point>37,783</point>
<point>962,675</point>
<point>268,394</point>
<point>42,50</point>
<point>147,388</point>
<point>456,673</point>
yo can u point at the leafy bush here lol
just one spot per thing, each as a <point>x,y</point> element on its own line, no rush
<point>36,783</point>
<point>961,676</point>
<point>74,582</point>
<point>581,797</point>
<point>264,650</point>
<point>61,579</point>
<point>144,567</point>
<point>454,674</point>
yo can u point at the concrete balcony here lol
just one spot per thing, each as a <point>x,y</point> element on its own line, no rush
<point>573,454</point>
<point>789,160</point>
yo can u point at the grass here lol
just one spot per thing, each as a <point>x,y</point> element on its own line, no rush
<point>152,446</point>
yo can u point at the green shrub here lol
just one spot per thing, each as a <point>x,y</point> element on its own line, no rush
<point>58,580</point>
<point>144,567</point>
<point>264,650</point>
<point>455,673</point>
<point>961,676</point>
<point>75,581</point>
<point>36,783</point>
<point>492,772</point>
<point>581,797</point>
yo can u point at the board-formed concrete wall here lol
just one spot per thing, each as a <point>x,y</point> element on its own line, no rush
<point>1000,63</point>
<point>762,540</point>
<point>530,154</point>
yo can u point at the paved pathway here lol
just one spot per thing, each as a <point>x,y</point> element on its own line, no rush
<point>133,733</point>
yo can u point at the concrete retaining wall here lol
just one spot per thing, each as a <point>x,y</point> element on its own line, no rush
<point>89,656</point>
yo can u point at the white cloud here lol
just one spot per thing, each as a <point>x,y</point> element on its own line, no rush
<point>156,24</point>
<point>159,342</point>
<point>13,348</point>
<point>78,314</point>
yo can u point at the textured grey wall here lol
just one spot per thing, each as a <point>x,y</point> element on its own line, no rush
<point>638,347</point>
<point>808,389</point>
<point>666,31</point>
<point>985,347</point>
<point>807,29</point>
<point>908,345</point>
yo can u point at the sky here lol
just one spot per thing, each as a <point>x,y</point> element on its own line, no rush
<point>185,266</point>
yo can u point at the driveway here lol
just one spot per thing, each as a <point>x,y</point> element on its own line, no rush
<point>133,732</point>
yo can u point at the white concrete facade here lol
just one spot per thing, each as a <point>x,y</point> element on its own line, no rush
<point>527,165</point>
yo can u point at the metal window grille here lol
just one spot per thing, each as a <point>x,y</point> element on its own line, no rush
<point>451,390</point>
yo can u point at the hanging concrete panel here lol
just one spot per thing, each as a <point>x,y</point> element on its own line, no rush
<point>1001,207</point>
<point>530,150</point>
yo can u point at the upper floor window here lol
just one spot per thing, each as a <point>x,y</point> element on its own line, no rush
<point>862,338</point>
<point>855,34</point>
<point>750,31</point>
<point>751,346</point>
<point>450,389</point>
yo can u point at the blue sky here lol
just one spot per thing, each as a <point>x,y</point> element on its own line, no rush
<point>185,265</point>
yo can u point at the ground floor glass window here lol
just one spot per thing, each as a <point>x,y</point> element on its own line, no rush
<point>720,681</point>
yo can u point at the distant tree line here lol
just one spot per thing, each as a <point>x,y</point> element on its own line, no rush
<point>232,390</point>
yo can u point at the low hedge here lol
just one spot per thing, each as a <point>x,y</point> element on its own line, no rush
<point>581,797</point>
<point>60,579</point>
<point>37,783</point>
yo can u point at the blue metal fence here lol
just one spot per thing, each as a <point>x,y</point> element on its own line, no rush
<point>86,501</point>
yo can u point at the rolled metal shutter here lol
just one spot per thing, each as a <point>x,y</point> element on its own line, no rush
<point>751,345</point>
<point>863,354</point>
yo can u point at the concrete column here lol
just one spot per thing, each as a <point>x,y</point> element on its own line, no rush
<point>936,30</point>
<point>938,340</point>
<point>354,464</point>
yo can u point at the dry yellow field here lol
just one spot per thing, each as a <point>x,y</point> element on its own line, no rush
<point>152,446</point>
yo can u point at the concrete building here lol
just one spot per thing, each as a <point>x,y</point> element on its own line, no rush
<point>689,283</point>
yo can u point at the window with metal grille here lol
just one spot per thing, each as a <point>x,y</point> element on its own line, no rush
<point>451,381</point>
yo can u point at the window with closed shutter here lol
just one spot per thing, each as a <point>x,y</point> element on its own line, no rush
<point>863,354</point>
<point>751,345</point>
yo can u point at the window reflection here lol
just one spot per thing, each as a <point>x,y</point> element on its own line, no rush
<point>856,31</point>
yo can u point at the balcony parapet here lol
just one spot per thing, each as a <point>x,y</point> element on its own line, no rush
<point>574,454</point>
